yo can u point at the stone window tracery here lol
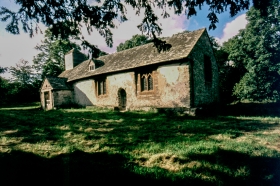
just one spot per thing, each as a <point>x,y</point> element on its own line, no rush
<point>146,82</point>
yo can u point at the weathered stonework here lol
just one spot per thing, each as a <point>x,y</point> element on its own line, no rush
<point>181,79</point>
<point>203,95</point>
<point>171,89</point>
<point>173,85</point>
<point>62,97</point>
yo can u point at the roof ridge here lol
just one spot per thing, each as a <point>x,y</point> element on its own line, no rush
<point>143,55</point>
<point>165,39</point>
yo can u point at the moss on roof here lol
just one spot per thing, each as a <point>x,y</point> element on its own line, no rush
<point>144,55</point>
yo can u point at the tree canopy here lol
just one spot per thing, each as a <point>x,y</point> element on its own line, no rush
<point>23,73</point>
<point>136,40</point>
<point>256,52</point>
<point>22,87</point>
<point>50,60</point>
<point>3,69</point>
<point>65,18</point>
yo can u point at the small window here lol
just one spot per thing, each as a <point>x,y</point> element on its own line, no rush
<point>101,87</point>
<point>146,82</point>
<point>91,67</point>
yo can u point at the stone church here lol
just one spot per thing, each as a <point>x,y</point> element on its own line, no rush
<point>183,77</point>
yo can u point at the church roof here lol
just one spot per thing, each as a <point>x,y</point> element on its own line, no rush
<point>181,46</point>
<point>58,83</point>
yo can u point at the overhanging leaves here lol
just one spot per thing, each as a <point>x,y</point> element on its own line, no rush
<point>66,17</point>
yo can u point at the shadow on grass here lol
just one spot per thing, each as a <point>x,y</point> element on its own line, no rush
<point>252,109</point>
<point>80,168</point>
<point>123,132</point>
<point>77,168</point>
<point>35,126</point>
<point>249,170</point>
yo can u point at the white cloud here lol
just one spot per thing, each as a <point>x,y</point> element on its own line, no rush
<point>232,28</point>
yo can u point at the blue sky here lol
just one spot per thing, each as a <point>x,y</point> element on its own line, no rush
<point>16,47</point>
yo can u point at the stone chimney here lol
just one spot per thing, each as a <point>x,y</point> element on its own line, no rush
<point>73,58</point>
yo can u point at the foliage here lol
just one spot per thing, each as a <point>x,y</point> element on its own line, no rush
<point>65,18</point>
<point>108,147</point>
<point>136,40</point>
<point>22,73</point>
<point>3,90</point>
<point>257,50</point>
<point>3,69</point>
<point>24,84</point>
<point>3,85</point>
<point>230,72</point>
<point>225,72</point>
<point>50,60</point>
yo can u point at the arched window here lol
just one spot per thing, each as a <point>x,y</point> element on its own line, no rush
<point>146,82</point>
<point>150,82</point>
<point>143,82</point>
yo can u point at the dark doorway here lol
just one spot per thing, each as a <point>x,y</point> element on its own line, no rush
<point>122,99</point>
<point>47,100</point>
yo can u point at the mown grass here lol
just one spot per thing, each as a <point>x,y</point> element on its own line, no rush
<point>99,146</point>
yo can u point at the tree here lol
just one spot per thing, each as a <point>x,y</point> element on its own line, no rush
<point>3,69</point>
<point>24,83</point>
<point>136,40</point>
<point>230,72</point>
<point>257,49</point>
<point>65,18</point>
<point>3,86</point>
<point>50,60</point>
<point>22,73</point>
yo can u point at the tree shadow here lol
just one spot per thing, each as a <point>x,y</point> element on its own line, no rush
<point>245,169</point>
<point>81,168</point>
<point>252,109</point>
<point>77,168</point>
<point>35,126</point>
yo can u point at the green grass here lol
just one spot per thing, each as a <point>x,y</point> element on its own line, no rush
<point>78,146</point>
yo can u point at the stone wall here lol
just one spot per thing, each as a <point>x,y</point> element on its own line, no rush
<point>62,97</point>
<point>84,92</point>
<point>171,89</point>
<point>204,94</point>
<point>114,83</point>
<point>174,89</point>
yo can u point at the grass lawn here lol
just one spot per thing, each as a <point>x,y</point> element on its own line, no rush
<point>99,146</point>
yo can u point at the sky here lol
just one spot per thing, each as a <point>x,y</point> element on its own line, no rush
<point>13,48</point>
